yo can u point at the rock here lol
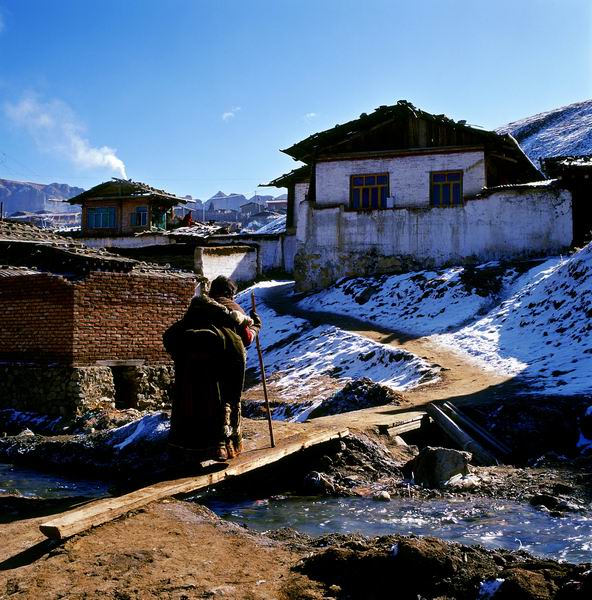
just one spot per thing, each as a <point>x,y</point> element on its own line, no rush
<point>463,482</point>
<point>355,395</point>
<point>521,584</point>
<point>319,483</point>
<point>432,467</point>
<point>382,496</point>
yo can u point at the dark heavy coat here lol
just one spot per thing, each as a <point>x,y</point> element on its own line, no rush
<point>208,347</point>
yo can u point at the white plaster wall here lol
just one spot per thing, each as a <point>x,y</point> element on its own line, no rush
<point>130,241</point>
<point>237,262</point>
<point>270,253</point>
<point>300,192</point>
<point>409,176</point>
<point>289,251</point>
<point>503,224</point>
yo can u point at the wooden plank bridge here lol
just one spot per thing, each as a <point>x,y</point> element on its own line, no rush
<point>104,510</point>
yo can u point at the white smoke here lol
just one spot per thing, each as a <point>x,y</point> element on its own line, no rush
<point>55,128</point>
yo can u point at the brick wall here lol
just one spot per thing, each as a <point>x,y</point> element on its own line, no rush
<point>36,311</point>
<point>122,316</point>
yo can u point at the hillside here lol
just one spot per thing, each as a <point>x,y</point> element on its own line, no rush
<point>25,195</point>
<point>558,132</point>
<point>530,320</point>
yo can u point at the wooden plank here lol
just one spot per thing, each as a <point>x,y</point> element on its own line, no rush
<point>107,509</point>
<point>405,426</point>
<point>464,440</point>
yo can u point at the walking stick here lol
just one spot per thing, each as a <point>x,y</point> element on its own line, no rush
<point>263,381</point>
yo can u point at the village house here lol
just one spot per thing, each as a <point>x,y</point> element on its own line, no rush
<point>82,328</point>
<point>114,212</point>
<point>402,189</point>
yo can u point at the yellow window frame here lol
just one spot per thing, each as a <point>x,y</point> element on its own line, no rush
<point>361,187</point>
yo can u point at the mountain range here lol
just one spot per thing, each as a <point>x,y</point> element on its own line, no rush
<point>33,197</point>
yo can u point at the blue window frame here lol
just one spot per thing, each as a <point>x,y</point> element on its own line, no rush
<point>100,218</point>
<point>446,188</point>
<point>369,192</point>
<point>139,217</point>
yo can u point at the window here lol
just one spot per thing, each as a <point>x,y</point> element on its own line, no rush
<point>446,188</point>
<point>369,191</point>
<point>139,217</point>
<point>100,218</point>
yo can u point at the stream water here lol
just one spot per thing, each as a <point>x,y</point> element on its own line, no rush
<point>491,523</point>
<point>35,484</point>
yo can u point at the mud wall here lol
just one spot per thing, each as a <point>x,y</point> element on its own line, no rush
<point>409,176</point>
<point>334,242</point>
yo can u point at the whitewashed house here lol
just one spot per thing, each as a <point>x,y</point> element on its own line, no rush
<point>401,189</point>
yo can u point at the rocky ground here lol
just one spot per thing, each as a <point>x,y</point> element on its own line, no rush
<point>177,549</point>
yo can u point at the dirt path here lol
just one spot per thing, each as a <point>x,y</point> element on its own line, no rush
<point>461,381</point>
<point>170,550</point>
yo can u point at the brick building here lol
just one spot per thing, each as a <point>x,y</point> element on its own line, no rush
<point>82,328</point>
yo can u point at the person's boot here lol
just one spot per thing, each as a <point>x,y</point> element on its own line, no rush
<point>237,446</point>
<point>230,450</point>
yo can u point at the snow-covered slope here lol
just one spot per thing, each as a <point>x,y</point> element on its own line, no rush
<point>559,132</point>
<point>298,356</point>
<point>536,325</point>
<point>418,303</point>
<point>542,331</point>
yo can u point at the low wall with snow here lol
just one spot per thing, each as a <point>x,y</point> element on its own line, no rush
<point>237,262</point>
<point>335,242</point>
<point>274,252</point>
<point>126,241</point>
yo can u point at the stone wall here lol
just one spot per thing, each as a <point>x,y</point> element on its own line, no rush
<point>409,176</point>
<point>55,391</point>
<point>334,242</point>
<point>72,391</point>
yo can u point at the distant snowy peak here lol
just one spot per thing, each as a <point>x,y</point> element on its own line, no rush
<point>564,131</point>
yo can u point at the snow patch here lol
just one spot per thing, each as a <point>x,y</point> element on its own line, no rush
<point>149,428</point>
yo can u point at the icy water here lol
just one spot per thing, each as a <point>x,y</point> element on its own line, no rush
<point>35,484</point>
<point>491,523</point>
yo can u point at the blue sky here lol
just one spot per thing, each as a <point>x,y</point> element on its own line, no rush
<point>200,95</point>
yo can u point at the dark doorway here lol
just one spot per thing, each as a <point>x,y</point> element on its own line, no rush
<point>125,380</point>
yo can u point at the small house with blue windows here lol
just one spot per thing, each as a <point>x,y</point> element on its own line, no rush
<point>400,188</point>
<point>124,207</point>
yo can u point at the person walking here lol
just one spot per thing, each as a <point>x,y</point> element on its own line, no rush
<point>208,346</point>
